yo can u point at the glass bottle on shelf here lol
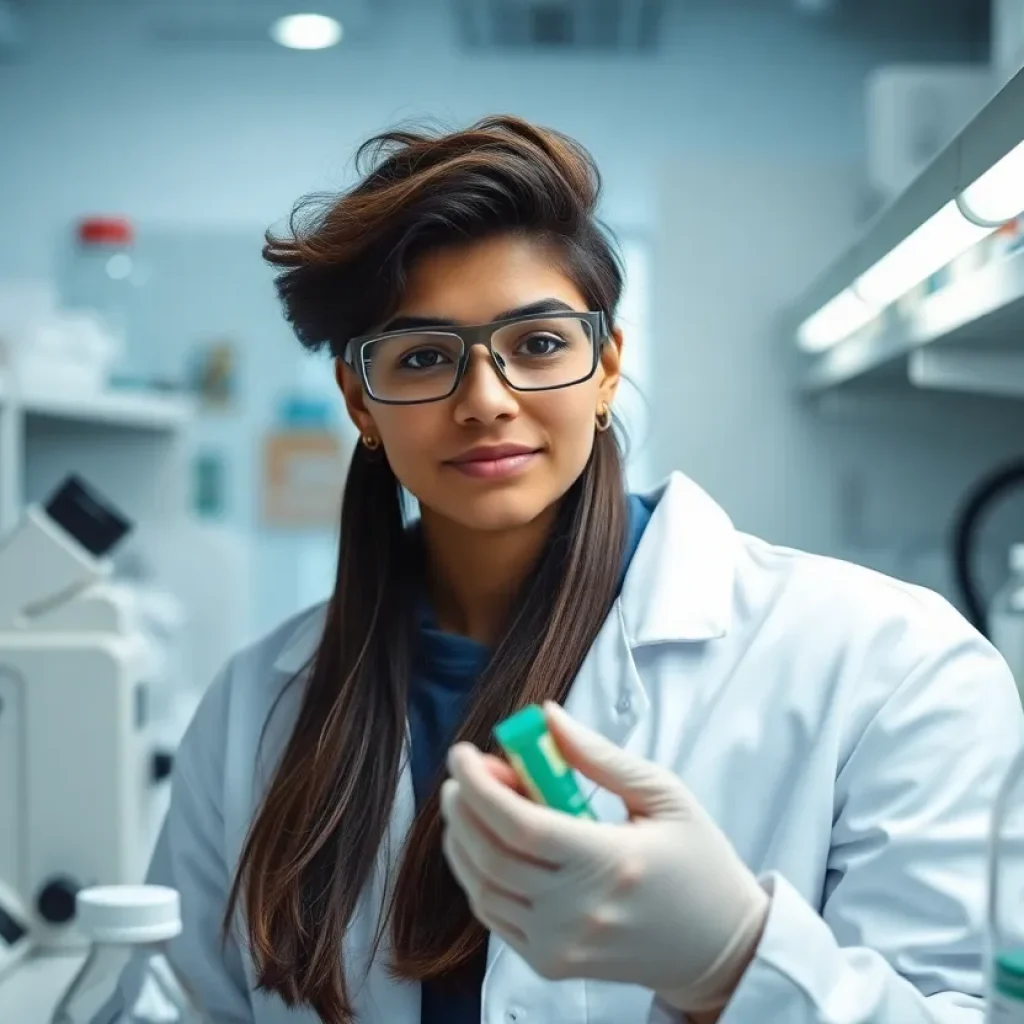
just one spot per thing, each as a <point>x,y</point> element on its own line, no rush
<point>103,277</point>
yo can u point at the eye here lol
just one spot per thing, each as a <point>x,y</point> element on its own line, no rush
<point>423,359</point>
<point>541,344</point>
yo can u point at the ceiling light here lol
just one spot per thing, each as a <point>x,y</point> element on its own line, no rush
<point>998,195</point>
<point>816,6</point>
<point>937,242</point>
<point>306,31</point>
<point>836,320</point>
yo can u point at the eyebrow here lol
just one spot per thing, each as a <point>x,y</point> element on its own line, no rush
<point>420,323</point>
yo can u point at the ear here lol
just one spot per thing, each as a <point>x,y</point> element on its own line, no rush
<point>351,388</point>
<point>609,370</point>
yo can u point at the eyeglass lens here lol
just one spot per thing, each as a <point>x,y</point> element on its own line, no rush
<point>533,355</point>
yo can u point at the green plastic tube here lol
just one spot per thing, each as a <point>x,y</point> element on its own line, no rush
<point>533,754</point>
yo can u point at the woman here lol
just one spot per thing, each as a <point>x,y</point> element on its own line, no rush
<point>794,757</point>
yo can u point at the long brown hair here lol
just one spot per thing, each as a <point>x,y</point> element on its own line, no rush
<point>314,840</point>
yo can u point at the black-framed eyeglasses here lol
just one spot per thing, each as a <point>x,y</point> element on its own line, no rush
<point>536,352</point>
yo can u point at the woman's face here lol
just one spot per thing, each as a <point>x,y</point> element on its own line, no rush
<point>428,445</point>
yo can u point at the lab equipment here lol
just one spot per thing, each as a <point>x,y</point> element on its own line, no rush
<point>966,534</point>
<point>78,761</point>
<point>533,753</point>
<point>1006,617</point>
<point>128,923</point>
<point>15,940</point>
<point>1005,883</point>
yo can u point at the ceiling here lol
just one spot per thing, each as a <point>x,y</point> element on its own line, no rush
<point>626,25</point>
<point>617,25</point>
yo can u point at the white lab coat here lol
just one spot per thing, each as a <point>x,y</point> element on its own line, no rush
<point>846,731</point>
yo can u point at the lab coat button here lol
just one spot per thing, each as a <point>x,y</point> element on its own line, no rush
<point>624,705</point>
<point>515,1015</point>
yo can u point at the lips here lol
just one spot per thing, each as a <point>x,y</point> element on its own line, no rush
<point>492,453</point>
<point>495,462</point>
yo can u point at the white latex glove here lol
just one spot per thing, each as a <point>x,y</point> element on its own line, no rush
<point>661,901</point>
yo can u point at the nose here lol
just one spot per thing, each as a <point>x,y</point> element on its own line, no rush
<point>483,396</point>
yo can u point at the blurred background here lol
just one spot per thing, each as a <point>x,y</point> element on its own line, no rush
<point>146,145</point>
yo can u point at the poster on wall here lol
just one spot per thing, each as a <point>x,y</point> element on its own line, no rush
<point>303,477</point>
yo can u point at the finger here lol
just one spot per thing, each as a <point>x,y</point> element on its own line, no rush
<point>492,908</point>
<point>475,882</point>
<point>458,815</point>
<point>499,768</point>
<point>452,809</point>
<point>523,826</point>
<point>503,772</point>
<point>639,782</point>
<point>527,880</point>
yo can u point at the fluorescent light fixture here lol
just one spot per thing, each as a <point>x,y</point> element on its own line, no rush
<point>998,195</point>
<point>836,320</point>
<point>306,31</point>
<point>938,241</point>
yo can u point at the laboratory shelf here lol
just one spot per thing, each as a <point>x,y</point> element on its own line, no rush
<point>130,444</point>
<point>125,409</point>
<point>968,336</point>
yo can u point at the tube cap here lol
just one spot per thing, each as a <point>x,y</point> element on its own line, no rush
<point>526,726</point>
<point>129,913</point>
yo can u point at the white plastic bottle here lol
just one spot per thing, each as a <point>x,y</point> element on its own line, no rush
<point>128,924</point>
<point>1006,617</point>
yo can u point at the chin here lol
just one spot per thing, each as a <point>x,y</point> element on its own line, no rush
<point>502,509</point>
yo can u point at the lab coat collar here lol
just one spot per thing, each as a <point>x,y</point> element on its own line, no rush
<point>678,587</point>
<point>302,641</point>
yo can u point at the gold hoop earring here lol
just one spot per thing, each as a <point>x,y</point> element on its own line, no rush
<point>370,443</point>
<point>603,420</point>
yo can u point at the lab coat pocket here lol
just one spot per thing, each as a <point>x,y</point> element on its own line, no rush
<point>611,1003</point>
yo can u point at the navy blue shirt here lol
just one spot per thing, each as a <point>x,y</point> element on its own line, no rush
<point>445,670</point>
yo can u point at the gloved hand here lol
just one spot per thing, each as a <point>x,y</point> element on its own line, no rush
<point>661,901</point>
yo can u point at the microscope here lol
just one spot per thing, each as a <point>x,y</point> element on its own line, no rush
<point>78,763</point>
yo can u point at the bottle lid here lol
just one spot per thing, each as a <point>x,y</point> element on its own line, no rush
<point>129,913</point>
<point>105,231</point>
<point>1017,558</point>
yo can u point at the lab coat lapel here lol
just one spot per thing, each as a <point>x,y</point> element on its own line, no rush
<point>378,998</point>
<point>377,995</point>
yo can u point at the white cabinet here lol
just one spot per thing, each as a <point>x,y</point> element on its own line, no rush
<point>913,111</point>
<point>128,445</point>
<point>1007,38</point>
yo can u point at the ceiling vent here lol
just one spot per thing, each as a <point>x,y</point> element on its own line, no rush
<point>12,30</point>
<point>563,25</point>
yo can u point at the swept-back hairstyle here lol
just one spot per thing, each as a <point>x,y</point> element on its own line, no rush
<point>313,843</point>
